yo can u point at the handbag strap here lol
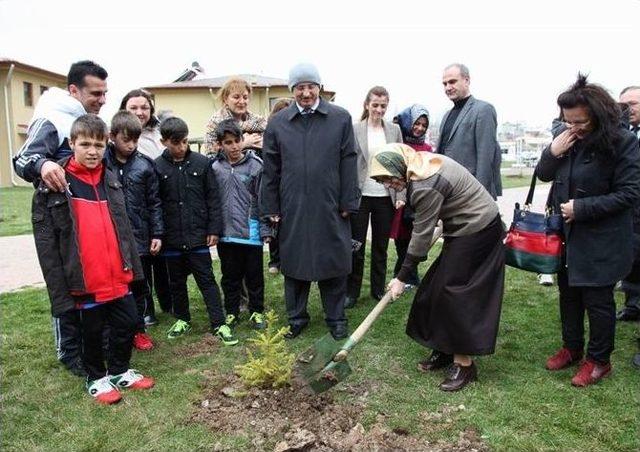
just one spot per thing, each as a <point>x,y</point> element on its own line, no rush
<point>532,189</point>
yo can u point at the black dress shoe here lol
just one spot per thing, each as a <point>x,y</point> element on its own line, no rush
<point>349,302</point>
<point>339,331</point>
<point>377,296</point>
<point>437,360</point>
<point>459,376</point>
<point>295,330</point>
<point>628,315</point>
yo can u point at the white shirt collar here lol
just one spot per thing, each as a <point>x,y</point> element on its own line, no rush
<point>314,107</point>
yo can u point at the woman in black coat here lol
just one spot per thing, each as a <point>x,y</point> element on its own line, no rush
<point>594,164</point>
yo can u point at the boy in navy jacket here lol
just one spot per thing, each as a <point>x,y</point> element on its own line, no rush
<point>136,172</point>
<point>192,219</point>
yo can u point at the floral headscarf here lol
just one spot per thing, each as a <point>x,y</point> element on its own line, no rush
<point>401,161</point>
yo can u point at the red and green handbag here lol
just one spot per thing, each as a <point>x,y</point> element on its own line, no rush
<point>534,241</point>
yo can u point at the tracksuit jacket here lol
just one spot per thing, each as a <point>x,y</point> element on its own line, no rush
<point>83,238</point>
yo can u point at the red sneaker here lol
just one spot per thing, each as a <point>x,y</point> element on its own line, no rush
<point>590,373</point>
<point>132,379</point>
<point>142,341</point>
<point>104,391</point>
<point>563,358</point>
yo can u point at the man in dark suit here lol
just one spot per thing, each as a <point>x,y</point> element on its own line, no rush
<point>468,130</point>
<point>630,97</point>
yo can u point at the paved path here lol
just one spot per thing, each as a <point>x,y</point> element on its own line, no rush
<point>19,263</point>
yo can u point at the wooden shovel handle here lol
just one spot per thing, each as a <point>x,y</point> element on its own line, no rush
<point>363,328</point>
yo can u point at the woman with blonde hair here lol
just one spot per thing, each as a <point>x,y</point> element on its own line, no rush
<point>235,95</point>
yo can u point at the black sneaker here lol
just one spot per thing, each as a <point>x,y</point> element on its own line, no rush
<point>76,367</point>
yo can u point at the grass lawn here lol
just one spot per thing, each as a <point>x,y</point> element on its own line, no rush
<point>15,210</point>
<point>516,405</point>
<point>515,181</point>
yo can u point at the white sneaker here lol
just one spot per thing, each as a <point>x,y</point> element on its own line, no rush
<point>545,280</point>
<point>104,391</point>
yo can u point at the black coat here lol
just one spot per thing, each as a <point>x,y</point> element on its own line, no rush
<point>55,234</point>
<point>140,183</point>
<point>310,175</point>
<point>190,200</point>
<point>599,242</point>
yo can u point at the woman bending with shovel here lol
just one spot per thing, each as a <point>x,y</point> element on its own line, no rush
<point>456,308</point>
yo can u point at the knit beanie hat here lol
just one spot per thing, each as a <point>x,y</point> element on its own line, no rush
<point>303,73</point>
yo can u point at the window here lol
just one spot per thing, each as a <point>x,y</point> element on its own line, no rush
<point>43,89</point>
<point>28,94</point>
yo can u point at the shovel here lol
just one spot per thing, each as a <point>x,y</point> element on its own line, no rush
<point>325,364</point>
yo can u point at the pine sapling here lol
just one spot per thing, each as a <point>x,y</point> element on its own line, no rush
<point>269,363</point>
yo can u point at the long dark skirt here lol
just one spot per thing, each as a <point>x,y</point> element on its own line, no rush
<point>457,306</point>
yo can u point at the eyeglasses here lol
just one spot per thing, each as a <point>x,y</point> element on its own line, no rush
<point>578,124</point>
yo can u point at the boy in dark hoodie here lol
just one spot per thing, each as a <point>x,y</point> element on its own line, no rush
<point>193,223</point>
<point>240,247</point>
<point>136,173</point>
<point>88,259</point>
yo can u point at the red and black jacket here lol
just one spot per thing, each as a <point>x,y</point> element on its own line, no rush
<point>84,241</point>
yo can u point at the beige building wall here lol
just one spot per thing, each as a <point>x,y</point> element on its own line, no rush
<point>197,105</point>
<point>19,114</point>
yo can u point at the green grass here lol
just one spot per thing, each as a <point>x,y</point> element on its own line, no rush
<point>515,181</point>
<point>516,405</point>
<point>15,211</point>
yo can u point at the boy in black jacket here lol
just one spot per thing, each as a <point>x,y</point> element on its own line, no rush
<point>192,217</point>
<point>136,173</point>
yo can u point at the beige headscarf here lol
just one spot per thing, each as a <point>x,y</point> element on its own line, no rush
<point>400,160</point>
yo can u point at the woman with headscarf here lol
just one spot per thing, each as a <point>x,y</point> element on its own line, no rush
<point>456,309</point>
<point>414,123</point>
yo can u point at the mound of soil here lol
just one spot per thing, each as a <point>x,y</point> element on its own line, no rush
<point>296,419</point>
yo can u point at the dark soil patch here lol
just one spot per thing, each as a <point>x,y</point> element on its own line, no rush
<point>296,419</point>
<point>203,347</point>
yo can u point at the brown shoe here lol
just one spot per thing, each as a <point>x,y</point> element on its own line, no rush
<point>459,376</point>
<point>437,360</point>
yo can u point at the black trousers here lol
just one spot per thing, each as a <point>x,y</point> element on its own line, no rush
<point>199,263</point>
<point>380,210</point>
<point>332,293</point>
<point>238,263</point>
<point>157,275</point>
<point>402,245</point>
<point>631,295</point>
<point>599,304</point>
<point>119,316</point>
<point>67,334</point>
<point>274,252</point>
<point>141,291</point>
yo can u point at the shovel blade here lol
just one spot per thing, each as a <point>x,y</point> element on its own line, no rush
<point>328,378</point>
<point>316,357</point>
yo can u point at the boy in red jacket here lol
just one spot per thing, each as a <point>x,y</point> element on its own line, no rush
<point>88,258</point>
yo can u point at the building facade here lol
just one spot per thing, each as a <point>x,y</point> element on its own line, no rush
<point>196,100</point>
<point>20,88</point>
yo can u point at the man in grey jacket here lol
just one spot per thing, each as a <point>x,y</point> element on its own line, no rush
<point>468,130</point>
